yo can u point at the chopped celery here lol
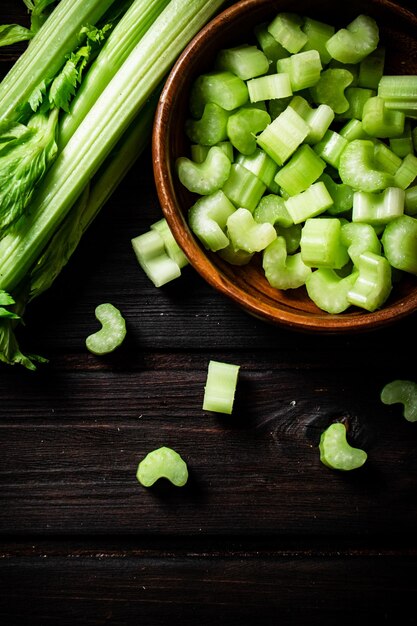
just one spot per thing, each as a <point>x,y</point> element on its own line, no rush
<point>403,392</point>
<point>328,290</point>
<point>283,135</point>
<point>283,270</point>
<point>407,171</point>
<point>336,452</point>
<point>378,208</point>
<point>399,241</point>
<point>211,128</point>
<point>353,129</point>
<point>309,203</point>
<point>292,236</point>
<point>150,251</point>
<point>321,243</point>
<point>245,61</point>
<point>342,195</point>
<point>385,159</point>
<point>199,151</point>
<point>272,209</point>
<point>318,118</point>
<point>330,147</point>
<point>208,217</point>
<point>353,43</point>
<point>373,284</point>
<point>301,171</point>
<point>378,121</point>
<point>303,69</point>
<point>247,234</point>
<point>357,98</point>
<point>221,87</point>
<point>269,87</point>
<point>243,187</point>
<point>260,164</point>
<point>269,45</point>
<point>112,331</point>
<point>220,387</point>
<point>330,89</point>
<point>244,125</point>
<point>162,463</point>
<point>207,177</point>
<point>235,257</point>
<point>410,200</point>
<point>359,238</point>
<point>286,28</point>
<point>401,87</point>
<point>318,33</point>
<point>357,167</point>
<point>371,69</point>
<point>172,248</point>
<point>403,143</point>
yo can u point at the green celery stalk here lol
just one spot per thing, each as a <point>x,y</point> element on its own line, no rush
<point>47,52</point>
<point>99,132</point>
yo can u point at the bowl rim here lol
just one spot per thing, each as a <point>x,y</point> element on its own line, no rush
<point>321,321</point>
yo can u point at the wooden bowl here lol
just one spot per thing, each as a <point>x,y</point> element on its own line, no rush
<point>246,285</point>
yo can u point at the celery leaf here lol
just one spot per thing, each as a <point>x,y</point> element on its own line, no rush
<point>13,33</point>
<point>10,352</point>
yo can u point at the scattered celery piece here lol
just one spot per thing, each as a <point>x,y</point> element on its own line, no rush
<point>378,208</point>
<point>353,43</point>
<point>286,29</point>
<point>221,87</point>
<point>283,135</point>
<point>336,452</point>
<point>245,61</point>
<point>360,238</point>
<point>220,387</point>
<point>373,284</point>
<point>111,334</point>
<point>207,177</point>
<point>378,121</point>
<point>247,234</point>
<point>153,258</point>
<point>321,243</point>
<point>244,125</point>
<point>357,167</point>
<point>399,241</point>
<point>403,392</point>
<point>243,188</point>
<point>301,171</point>
<point>172,248</point>
<point>328,290</point>
<point>162,463</point>
<point>211,128</point>
<point>283,270</point>
<point>309,203</point>
<point>303,69</point>
<point>208,217</point>
<point>330,89</point>
<point>269,87</point>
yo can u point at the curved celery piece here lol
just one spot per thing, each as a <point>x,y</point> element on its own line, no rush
<point>243,188</point>
<point>328,290</point>
<point>207,218</point>
<point>318,118</point>
<point>153,257</point>
<point>172,248</point>
<point>221,87</point>
<point>260,164</point>
<point>371,69</point>
<point>211,128</point>
<point>385,159</point>
<point>244,125</point>
<point>336,452</point>
<point>220,387</point>
<point>248,235</point>
<point>302,170</point>
<point>271,208</point>
<point>330,147</point>
<point>200,152</point>
<point>303,68</point>
<point>399,241</point>
<point>235,257</point>
<point>162,463</point>
<point>330,89</point>
<point>245,61</point>
<point>112,332</point>
<point>283,270</point>
<point>360,238</point>
<point>378,121</point>
<point>407,172</point>
<point>402,392</point>
<point>353,43</point>
<point>378,208</point>
<point>373,284</point>
<point>292,236</point>
<point>353,129</point>
<point>309,203</point>
<point>207,177</point>
<point>357,167</point>
<point>286,28</point>
<point>318,33</point>
<point>268,44</point>
<point>342,195</point>
<point>403,144</point>
<point>321,243</point>
<point>269,87</point>
<point>357,98</point>
<point>283,135</point>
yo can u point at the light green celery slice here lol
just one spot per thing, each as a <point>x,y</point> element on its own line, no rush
<point>286,29</point>
<point>47,52</point>
<point>199,152</point>
<point>235,257</point>
<point>207,218</point>
<point>244,125</point>
<point>330,89</point>
<point>378,208</point>
<point>303,69</point>
<point>243,187</point>
<point>353,43</point>
<point>399,241</point>
<point>318,33</point>
<point>403,392</point>
<point>359,238</point>
<point>309,203</point>
<point>353,129</point>
<point>221,87</point>
<point>301,171</point>
<point>403,144</point>
<point>318,118</point>
<point>342,195</point>
<point>321,243</point>
<point>357,98</point>
<point>99,132</point>
<point>358,169</point>
<point>283,135</point>
<point>407,172</point>
<point>112,332</point>
<point>272,209</point>
<point>211,128</point>
<point>220,387</point>
<point>270,46</point>
<point>172,248</point>
<point>371,69</point>
<point>247,234</point>
<point>378,121</point>
<point>207,177</point>
<point>398,87</point>
<point>269,87</point>
<point>245,61</point>
<point>336,452</point>
<point>328,290</point>
<point>283,270</point>
<point>386,159</point>
<point>152,256</point>
<point>124,37</point>
<point>373,284</point>
<point>260,164</point>
<point>163,462</point>
<point>410,200</point>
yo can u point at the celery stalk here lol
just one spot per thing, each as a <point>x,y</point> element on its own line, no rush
<point>106,121</point>
<point>47,51</point>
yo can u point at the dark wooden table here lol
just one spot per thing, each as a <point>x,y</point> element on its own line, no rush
<point>263,532</point>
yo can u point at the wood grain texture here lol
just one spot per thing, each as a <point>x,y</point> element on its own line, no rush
<point>262,531</point>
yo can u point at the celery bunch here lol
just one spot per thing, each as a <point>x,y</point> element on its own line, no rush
<point>81,97</point>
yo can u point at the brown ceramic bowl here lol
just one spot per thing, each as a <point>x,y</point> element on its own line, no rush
<point>247,285</point>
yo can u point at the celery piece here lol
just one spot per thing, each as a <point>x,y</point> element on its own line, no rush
<point>403,143</point>
<point>269,87</point>
<point>247,234</point>
<point>398,87</point>
<point>301,171</point>
<point>286,29</point>
<point>357,167</point>
<point>373,284</point>
<point>406,107</point>
<point>163,462</point>
<point>207,177</point>
<point>378,121</point>
<point>330,147</point>
<point>292,236</point>
<point>403,392</point>
<point>328,290</point>
<point>309,203</point>
<point>112,332</point>
<point>221,87</point>
<point>330,89</point>
<point>353,129</point>
<point>172,248</point>
<point>235,257</point>
<point>283,270</point>
<point>245,61</point>
<point>260,164</point>
<point>199,152</point>
<point>243,127</point>
<point>385,159</point>
<point>410,200</point>
<point>378,207</point>
<point>211,128</point>
<point>371,69</point>
<point>336,452</point>
<point>350,67</point>
<point>220,387</point>
<point>359,238</point>
<point>318,33</point>
<point>341,194</point>
<point>283,135</point>
<point>321,243</point>
<point>357,98</point>
<point>302,68</point>
<point>407,172</point>
<point>353,43</point>
<point>269,46</point>
<point>243,188</point>
<point>318,118</point>
<point>399,241</point>
<point>207,218</point>
<point>271,208</point>
<point>277,106</point>
<point>153,258</point>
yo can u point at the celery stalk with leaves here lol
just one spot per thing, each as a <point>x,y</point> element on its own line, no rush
<point>102,94</point>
